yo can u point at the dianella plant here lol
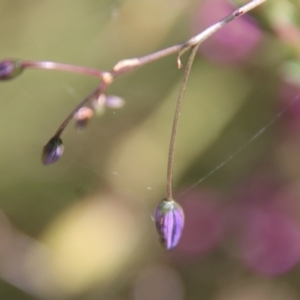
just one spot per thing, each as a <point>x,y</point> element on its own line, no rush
<point>172,169</point>
<point>168,216</point>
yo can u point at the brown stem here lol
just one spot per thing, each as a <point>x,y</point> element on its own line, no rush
<point>49,65</point>
<point>169,187</point>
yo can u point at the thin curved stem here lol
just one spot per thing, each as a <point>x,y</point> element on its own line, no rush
<point>95,93</point>
<point>169,187</point>
<point>49,65</point>
<point>194,44</point>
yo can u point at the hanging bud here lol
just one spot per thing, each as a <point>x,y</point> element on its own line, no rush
<point>82,116</point>
<point>169,221</point>
<point>52,151</point>
<point>98,104</point>
<point>10,69</point>
<point>113,101</point>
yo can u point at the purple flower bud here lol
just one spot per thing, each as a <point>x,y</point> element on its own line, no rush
<point>83,115</point>
<point>10,69</point>
<point>169,221</point>
<point>52,151</point>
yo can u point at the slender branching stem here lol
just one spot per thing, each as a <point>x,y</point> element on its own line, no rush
<point>127,65</point>
<point>49,65</point>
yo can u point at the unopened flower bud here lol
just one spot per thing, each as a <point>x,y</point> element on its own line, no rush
<point>82,116</point>
<point>98,104</point>
<point>10,69</point>
<point>169,221</point>
<point>113,101</point>
<point>52,151</point>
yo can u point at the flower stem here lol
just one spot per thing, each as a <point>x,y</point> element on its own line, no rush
<point>194,44</point>
<point>96,92</point>
<point>169,187</point>
<point>49,65</point>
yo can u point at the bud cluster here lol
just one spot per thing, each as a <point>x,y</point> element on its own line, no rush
<point>98,105</point>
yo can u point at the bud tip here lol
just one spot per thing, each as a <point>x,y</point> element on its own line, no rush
<point>52,151</point>
<point>10,69</point>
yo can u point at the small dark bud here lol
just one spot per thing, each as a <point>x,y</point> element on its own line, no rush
<point>81,124</point>
<point>10,69</point>
<point>169,221</point>
<point>52,151</point>
<point>82,116</point>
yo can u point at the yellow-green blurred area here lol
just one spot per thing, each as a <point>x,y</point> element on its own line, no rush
<point>82,228</point>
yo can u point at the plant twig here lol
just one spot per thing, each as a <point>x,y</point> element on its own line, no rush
<point>127,65</point>
<point>49,65</point>
<point>123,66</point>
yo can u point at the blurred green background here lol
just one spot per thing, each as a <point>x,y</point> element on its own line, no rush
<point>82,228</point>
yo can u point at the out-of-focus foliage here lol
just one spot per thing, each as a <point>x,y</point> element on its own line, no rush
<point>82,228</point>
